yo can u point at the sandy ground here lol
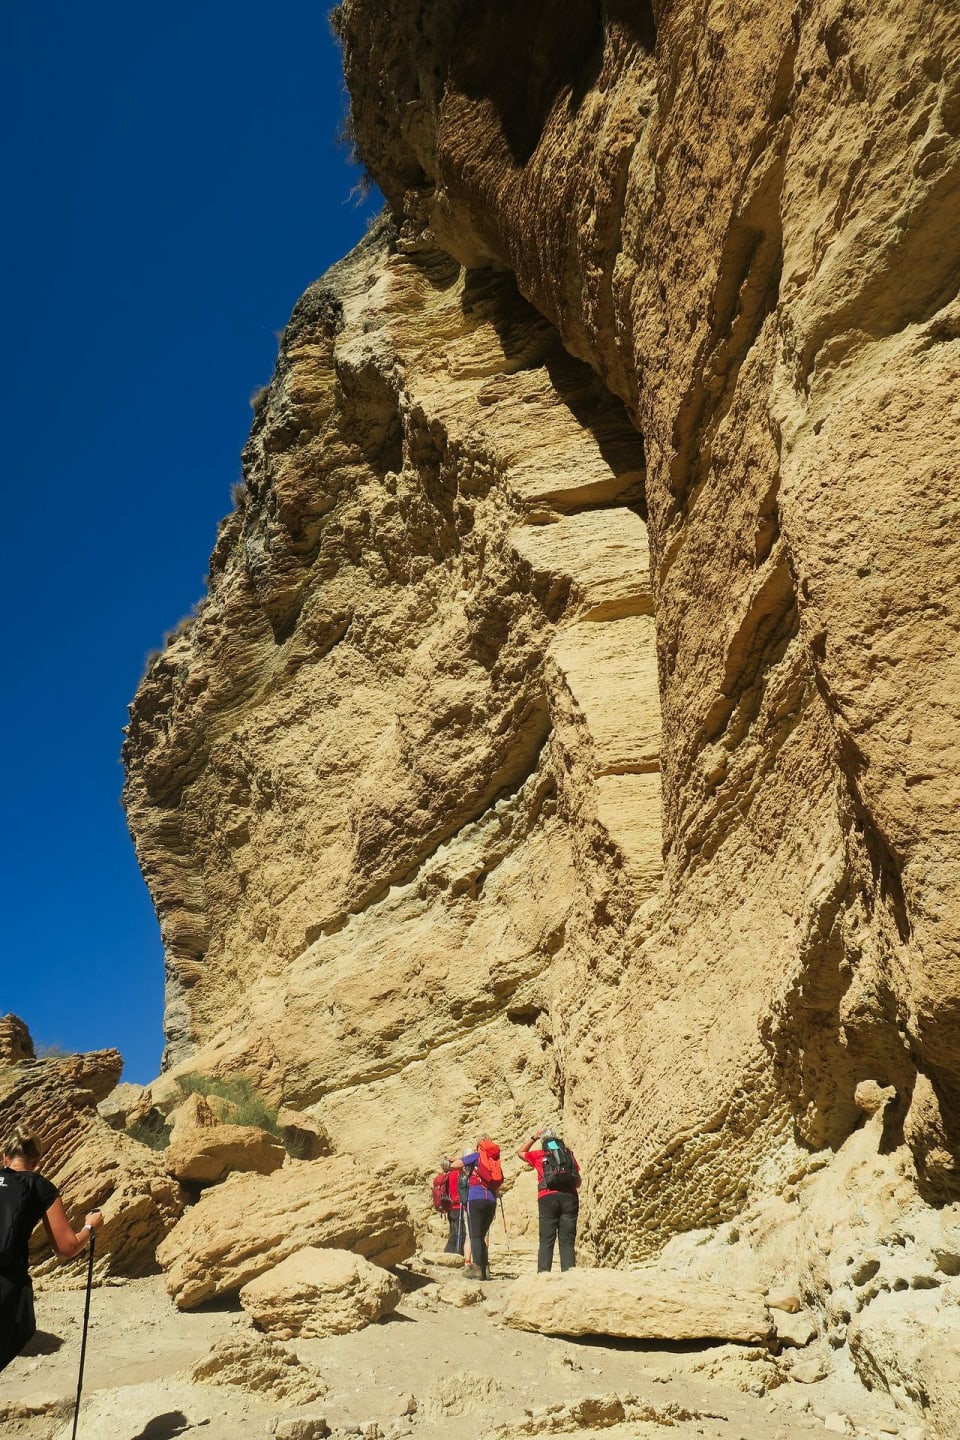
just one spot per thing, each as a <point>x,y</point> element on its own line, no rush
<point>437,1363</point>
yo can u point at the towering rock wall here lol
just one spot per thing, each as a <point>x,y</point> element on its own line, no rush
<point>645,403</point>
<point>389,764</point>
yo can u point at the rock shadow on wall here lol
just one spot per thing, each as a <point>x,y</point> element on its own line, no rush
<point>822,1047</point>
<point>522,58</point>
<point>529,341</point>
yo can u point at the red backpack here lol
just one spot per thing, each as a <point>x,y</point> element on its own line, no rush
<point>488,1167</point>
<point>441,1194</point>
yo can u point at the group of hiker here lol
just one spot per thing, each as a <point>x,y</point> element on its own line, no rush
<point>467,1191</point>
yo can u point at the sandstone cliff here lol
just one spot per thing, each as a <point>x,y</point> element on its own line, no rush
<point>639,412</point>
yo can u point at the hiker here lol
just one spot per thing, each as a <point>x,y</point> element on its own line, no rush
<point>485,1178</point>
<point>446,1201</point>
<point>26,1196</point>
<point>558,1180</point>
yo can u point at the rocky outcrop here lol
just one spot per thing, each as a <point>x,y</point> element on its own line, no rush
<point>92,1165</point>
<point>572,714</point>
<point>16,1043</point>
<point>476,787</point>
<point>251,1223</point>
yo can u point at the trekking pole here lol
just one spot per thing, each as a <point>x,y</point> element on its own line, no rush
<point>83,1342</point>
<point>503,1216</point>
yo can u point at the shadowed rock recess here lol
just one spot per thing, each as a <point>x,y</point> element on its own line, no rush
<point>571,723</point>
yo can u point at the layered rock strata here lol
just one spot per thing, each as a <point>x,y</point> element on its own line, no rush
<point>739,220</point>
<point>384,766</point>
<point>93,1166</point>
<point>642,417</point>
<point>251,1223</point>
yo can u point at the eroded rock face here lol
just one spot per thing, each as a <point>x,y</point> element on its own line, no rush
<point>663,477</point>
<point>738,222</point>
<point>396,669</point>
<point>203,1150</point>
<point>92,1165</point>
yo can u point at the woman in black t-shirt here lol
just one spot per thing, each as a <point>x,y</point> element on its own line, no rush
<point>26,1197</point>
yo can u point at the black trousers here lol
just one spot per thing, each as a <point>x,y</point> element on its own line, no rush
<point>17,1324</point>
<point>558,1220</point>
<point>480,1216</point>
<point>458,1232</point>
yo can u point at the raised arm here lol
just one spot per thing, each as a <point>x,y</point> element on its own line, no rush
<point>65,1240</point>
<point>522,1153</point>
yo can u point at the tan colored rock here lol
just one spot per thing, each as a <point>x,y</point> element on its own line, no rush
<point>16,1043</point>
<point>796,1330</point>
<point>257,1363</point>
<point>461,1294</point>
<point>302,1135</point>
<point>907,1344</point>
<point>315,1293</point>
<point>635,1305</point>
<point>250,1223</point>
<point>192,1114</point>
<point>92,1165</point>
<point>301,1427</point>
<point>124,1105</point>
<point>444,1259</point>
<point>785,1300</point>
<point>466,1393</point>
<point>422,841</point>
<point>205,1157</point>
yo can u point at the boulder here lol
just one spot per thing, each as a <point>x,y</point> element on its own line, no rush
<point>636,1305</point>
<point>207,1157</point>
<point>795,1328</point>
<point>250,1223</point>
<point>193,1113</point>
<point>315,1293</point>
<point>202,1151</point>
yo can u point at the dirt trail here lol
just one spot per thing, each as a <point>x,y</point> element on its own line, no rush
<point>445,1358</point>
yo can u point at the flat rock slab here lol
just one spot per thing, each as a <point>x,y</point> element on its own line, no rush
<point>636,1305</point>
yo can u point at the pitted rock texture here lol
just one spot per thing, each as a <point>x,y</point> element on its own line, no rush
<point>628,448</point>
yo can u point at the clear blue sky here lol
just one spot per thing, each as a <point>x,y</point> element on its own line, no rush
<point>172,182</point>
